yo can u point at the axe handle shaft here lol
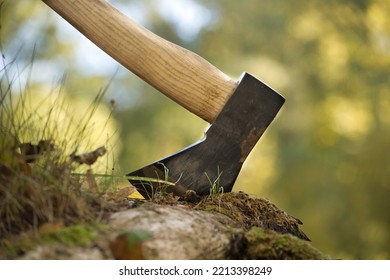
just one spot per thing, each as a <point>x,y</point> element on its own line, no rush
<point>180,74</point>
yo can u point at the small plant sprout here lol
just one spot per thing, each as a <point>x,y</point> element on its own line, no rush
<point>215,187</point>
<point>162,189</point>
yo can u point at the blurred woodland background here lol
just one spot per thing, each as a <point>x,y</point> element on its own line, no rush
<point>325,159</point>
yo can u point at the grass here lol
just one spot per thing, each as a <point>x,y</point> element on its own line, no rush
<point>37,181</point>
<point>49,162</point>
<point>216,189</point>
<point>161,191</point>
<point>215,186</point>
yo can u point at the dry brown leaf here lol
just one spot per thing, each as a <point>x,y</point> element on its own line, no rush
<point>128,245</point>
<point>31,152</point>
<point>88,158</point>
<point>123,193</point>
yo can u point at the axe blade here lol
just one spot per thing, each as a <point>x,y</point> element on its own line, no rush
<point>218,157</point>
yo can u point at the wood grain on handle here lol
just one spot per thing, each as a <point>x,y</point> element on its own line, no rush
<point>182,75</point>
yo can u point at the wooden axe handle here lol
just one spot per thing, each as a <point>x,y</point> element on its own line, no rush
<point>180,74</point>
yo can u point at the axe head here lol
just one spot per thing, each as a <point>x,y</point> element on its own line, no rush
<point>216,160</point>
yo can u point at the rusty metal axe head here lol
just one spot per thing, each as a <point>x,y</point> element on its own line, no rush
<point>218,157</point>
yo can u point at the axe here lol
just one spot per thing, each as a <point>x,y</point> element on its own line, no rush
<point>239,112</point>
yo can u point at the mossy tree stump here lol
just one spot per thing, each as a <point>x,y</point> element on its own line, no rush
<point>223,226</point>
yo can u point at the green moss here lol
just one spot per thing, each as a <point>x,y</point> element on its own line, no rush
<point>77,235</point>
<point>274,246</point>
<point>80,235</point>
<point>215,208</point>
<point>253,212</point>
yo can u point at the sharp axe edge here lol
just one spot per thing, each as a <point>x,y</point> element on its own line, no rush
<point>219,156</point>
